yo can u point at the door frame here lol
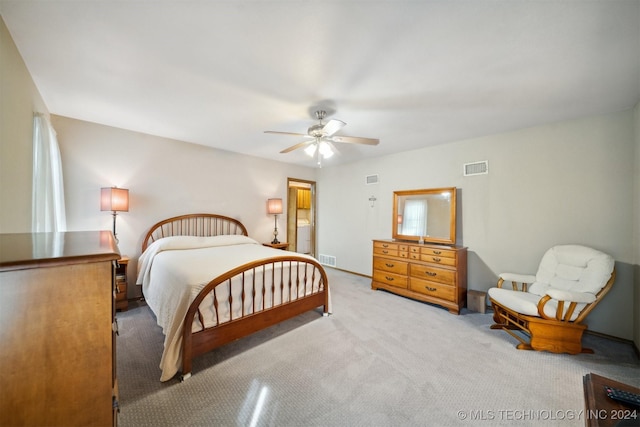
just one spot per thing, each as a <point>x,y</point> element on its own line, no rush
<point>292,212</point>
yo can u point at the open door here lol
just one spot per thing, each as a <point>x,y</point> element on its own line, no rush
<point>301,216</point>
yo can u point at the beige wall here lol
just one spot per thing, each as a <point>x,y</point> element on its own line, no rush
<point>569,182</point>
<point>19,99</point>
<point>165,178</point>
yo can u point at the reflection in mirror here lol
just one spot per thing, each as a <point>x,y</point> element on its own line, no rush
<point>428,215</point>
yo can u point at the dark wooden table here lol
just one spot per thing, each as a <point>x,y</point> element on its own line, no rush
<point>601,410</point>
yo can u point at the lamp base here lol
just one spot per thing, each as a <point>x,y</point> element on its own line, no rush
<point>115,236</point>
<point>275,230</point>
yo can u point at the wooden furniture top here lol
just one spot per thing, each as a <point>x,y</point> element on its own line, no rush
<point>601,410</point>
<point>425,244</point>
<point>20,251</point>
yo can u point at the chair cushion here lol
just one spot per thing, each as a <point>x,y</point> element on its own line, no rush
<point>572,268</point>
<point>527,303</point>
<point>521,302</point>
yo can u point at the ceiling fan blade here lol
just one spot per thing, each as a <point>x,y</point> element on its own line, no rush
<point>299,145</point>
<point>355,140</point>
<point>332,126</point>
<point>286,133</point>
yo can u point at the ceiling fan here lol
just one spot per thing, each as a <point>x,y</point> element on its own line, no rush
<point>322,136</point>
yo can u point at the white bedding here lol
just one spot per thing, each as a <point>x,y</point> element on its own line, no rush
<point>173,270</point>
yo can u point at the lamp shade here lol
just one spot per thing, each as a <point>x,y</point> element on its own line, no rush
<point>274,206</point>
<point>114,199</point>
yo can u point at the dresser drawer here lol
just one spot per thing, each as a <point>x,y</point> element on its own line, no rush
<point>438,290</point>
<point>384,248</point>
<point>390,265</point>
<point>413,255</point>
<point>442,253</point>
<point>438,259</point>
<point>390,278</point>
<point>434,274</point>
<point>121,291</point>
<point>386,245</point>
<point>383,251</point>
<point>403,250</point>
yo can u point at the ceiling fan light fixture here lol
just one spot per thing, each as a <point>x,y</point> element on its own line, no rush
<point>325,149</point>
<point>311,150</point>
<point>321,147</point>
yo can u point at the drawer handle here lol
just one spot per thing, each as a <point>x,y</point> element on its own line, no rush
<point>385,245</point>
<point>389,278</point>
<point>430,289</point>
<point>429,273</point>
<point>385,252</point>
<point>389,265</point>
<point>437,252</point>
<point>436,259</point>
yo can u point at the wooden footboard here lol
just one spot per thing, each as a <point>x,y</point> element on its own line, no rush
<point>279,288</point>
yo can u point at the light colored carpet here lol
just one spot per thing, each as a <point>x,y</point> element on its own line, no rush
<point>378,360</point>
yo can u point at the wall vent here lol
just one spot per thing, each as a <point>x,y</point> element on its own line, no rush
<point>476,168</point>
<point>371,179</point>
<point>327,260</point>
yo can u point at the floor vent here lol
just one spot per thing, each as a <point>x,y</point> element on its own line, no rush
<point>327,260</point>
<point>476,168</point>
<point>371,179</point>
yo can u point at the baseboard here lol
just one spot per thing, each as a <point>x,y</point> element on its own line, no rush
<point>614,338</point>
<point>348,271</point>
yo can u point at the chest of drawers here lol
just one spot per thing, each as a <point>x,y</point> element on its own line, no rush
<point>430,273</point>
<point>57,329</point>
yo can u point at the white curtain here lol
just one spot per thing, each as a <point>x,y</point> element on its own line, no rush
<point>48,213</point>
<point>414,218</point>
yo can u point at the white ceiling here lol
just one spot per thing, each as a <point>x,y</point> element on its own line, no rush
<point>411,73</point>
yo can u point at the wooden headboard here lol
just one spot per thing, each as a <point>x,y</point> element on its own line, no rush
<point>194,225</point>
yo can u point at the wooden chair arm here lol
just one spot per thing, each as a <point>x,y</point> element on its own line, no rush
<point>518,282</point>
<point>560,313</point>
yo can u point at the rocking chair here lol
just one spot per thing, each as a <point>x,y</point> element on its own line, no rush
<point>551,306</point>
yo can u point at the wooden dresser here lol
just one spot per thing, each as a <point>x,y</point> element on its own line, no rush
<point>426,272</point>
<point>57,323</point>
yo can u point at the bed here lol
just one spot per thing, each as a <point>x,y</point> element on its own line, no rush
<point>208,284</point>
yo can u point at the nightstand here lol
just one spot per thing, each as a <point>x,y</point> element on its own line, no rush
<point>283,246</point>
<point>121,284</point>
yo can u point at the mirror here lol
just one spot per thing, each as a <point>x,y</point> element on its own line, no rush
<point>430,214</point>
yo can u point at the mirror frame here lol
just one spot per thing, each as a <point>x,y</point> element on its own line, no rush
<point>428,239</point>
